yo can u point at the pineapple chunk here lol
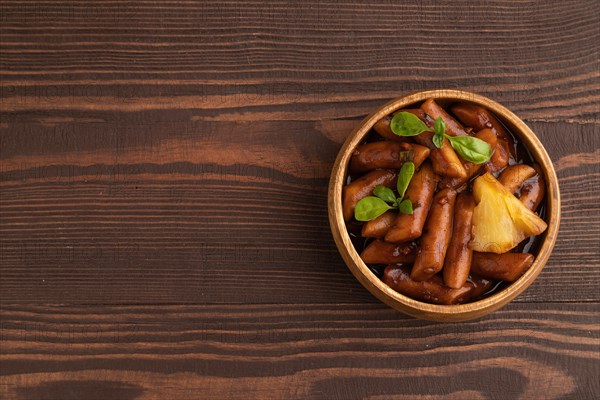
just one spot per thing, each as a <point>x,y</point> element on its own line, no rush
<point>500,220</point>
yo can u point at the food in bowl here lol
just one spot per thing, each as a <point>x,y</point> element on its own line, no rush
<point>444,204</point>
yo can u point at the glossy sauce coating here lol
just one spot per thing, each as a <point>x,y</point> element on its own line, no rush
<point>513,177</point>
<point>378,227</point>
<point>420,192</point>
<point>453,127</point>
<point>363,187</point>
<point>436,236</point>
<point>386,155</point>
<point>480,118</point>
<point>506,267</point>
<point>444,160</point>
<point>427,253</point>
<point>457,264</point>
<point>380,252</point>
<point>433,290</point>
<point>471,169</point>
<point>533,190</point>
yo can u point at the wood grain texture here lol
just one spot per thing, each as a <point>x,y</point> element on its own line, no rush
<point>178,153</point>
<point>92,217</point>
<point>394,296</point>
<point>297,351</point>
<point>298,57</point>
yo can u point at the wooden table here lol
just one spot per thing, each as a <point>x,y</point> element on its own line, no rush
<point>164,170</point>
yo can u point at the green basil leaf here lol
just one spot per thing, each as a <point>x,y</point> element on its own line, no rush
<point>384,193</point>
<point>471,149</point>
<point>406,173</point>
<point>370,208</point>
<point>407,124</point>
<point>438,140</point>
<point>439,127</point>
<point>405,207</point>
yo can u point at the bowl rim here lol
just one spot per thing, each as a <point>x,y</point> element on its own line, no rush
<point>404,303</point>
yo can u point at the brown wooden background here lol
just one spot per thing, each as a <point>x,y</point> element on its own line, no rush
<point>164,168</point>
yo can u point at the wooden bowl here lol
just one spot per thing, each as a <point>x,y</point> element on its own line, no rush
<point>406,304</point>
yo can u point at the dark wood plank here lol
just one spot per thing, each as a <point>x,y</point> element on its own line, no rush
<point>162,212</point>
<point>163,174</point>
<point>336,351</point>
<point>299,58</point>
<point>220,212</point>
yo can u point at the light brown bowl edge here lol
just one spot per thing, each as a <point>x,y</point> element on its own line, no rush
<point>403,303</point>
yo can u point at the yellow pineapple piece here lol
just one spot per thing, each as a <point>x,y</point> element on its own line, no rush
<point>500,220</point>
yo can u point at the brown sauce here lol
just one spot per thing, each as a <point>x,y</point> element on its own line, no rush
<point>519,155</point>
